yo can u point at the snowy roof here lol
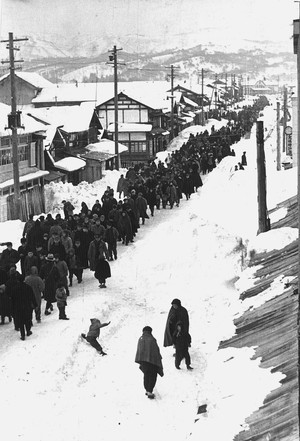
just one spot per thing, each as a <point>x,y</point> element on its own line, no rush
<point>105,146</point>
<point>190,102</point>
<point>32,78</point>
<point>25,178</point>
<point>151,93</point>
<point>69,118</point>
<point>30,125</point>
<point>70,164</point>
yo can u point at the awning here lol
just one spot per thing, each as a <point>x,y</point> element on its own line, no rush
<point>159,131</point>
<point>25,178</point>
<point>106,146</point>
<point>98,156</point>
<point>70,164</point>
<point>54,175</point>
<point>190,102</point>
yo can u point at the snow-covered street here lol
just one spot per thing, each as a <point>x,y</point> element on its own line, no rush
<point>55,386</point>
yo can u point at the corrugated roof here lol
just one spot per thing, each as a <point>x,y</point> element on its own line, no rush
<point>272,329</point>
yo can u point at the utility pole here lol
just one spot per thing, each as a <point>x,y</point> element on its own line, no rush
<point>202,96</point>
<point>261,179</point>
<point>114,61</point>
<point>296,44</point>
<point>278,136</point>
<point>172,99</point>
<point>284,117</point>
<point>14,120</point>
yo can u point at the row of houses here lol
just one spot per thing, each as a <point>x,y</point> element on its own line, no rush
<point>69,129</point>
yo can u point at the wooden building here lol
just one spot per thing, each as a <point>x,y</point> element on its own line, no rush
<point>28,86</point>
<point>31,168</point>
<point>141,128</point>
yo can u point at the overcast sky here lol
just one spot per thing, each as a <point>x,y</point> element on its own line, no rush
<point>66,21</point>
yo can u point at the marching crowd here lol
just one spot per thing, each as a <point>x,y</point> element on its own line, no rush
<point>54,250</point>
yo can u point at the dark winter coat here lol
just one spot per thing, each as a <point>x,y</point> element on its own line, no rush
<point>9,258</point>
<point>5,303</point>
<point>61,297</point>
<point>63,272</point>
<point>22,300</point>
<point>148,351</point>
<point>124,226</point>
<point>181,339</point>
<point>50,275</point>
<point>174,316</point>
<point>28,263</point>
<point>141,207</point>
<point>93,253</point>
<point>58,248</point>
<point>36,284</point>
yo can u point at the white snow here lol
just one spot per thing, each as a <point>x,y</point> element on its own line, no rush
<point>61,389</point>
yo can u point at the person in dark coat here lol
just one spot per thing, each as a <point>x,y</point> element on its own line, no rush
<point>56,247</point>
<point>125,228</point>
<point>38,287</point>
<point>141,207</point>
<point>9,257</point>
<point>28,225</point>
<point>34,236</point>
<point>182,342</point>
<point>22,251</point>
<point>244,159</point>
<point>23,302</point>
<point>5,305</point>
<point>111,238</point>
<point>97,208</point>
<point>150,361</point>
<point>177,313</point>
<point>30,260</point>
<point>102,268</point>
<point>81,261</point>
<point>68,209</point>
<point>94,333</point>
<point>120,188</point>
<point>50,275</point>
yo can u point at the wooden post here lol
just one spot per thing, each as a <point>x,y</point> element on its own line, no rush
<point>278,137</point>
<point>202,92</point>
<point>284,118</point>
<point>261,179</point>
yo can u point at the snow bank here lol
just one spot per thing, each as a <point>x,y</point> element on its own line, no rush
<point>272,240</point>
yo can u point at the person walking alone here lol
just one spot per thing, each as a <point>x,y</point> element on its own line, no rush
<point>150,361</point>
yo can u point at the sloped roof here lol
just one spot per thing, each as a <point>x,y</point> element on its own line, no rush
<point>30,125</point>
<point>70,164</point>
<point>272,329</point>
<point>105,146</point>
<point>151,93</point>
<point>33,78</point>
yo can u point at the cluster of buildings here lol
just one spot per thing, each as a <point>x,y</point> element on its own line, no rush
<point>68,129</point>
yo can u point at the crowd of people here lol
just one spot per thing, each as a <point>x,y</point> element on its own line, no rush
<point>56,250</point>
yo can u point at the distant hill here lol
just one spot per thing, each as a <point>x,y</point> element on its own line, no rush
<point>251,62</point>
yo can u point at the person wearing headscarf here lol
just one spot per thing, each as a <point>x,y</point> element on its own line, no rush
<point>150,361</point>
<point>177,313</point>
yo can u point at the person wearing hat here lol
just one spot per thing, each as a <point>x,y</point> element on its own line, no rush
<point>182,342</point>
<point>150,361</point>
<point>177,313</point>
<point>50,276</point>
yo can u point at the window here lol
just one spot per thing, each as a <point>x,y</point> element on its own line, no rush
<point>5,156</point>
<point>123,136</point>
<point>32,161</point>
<point>5,142</point>
<point>138,147</point>
<point>138,136</point>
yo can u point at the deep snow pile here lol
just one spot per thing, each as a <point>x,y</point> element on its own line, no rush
<point>194,252</point>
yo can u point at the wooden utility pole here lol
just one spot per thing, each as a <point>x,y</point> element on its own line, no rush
<point>202,93</point>
<point>172,98</point>
<point>284,117</point>
<point>278,136</point>
<point>14,121</point>
<point>114,61</point>
<point>261,179</point>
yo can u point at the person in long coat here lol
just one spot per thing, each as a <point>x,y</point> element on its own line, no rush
<point>23,302</point>
<point>150,360</point>
<point>177,313</point>
<point>5,305</point>
<point>50,274</point>
<point>125,228</point>
<point>102,268</point>
<point>141,207</point>
<point>38,287</point>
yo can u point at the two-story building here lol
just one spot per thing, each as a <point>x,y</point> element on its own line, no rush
<point>31,167</point>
